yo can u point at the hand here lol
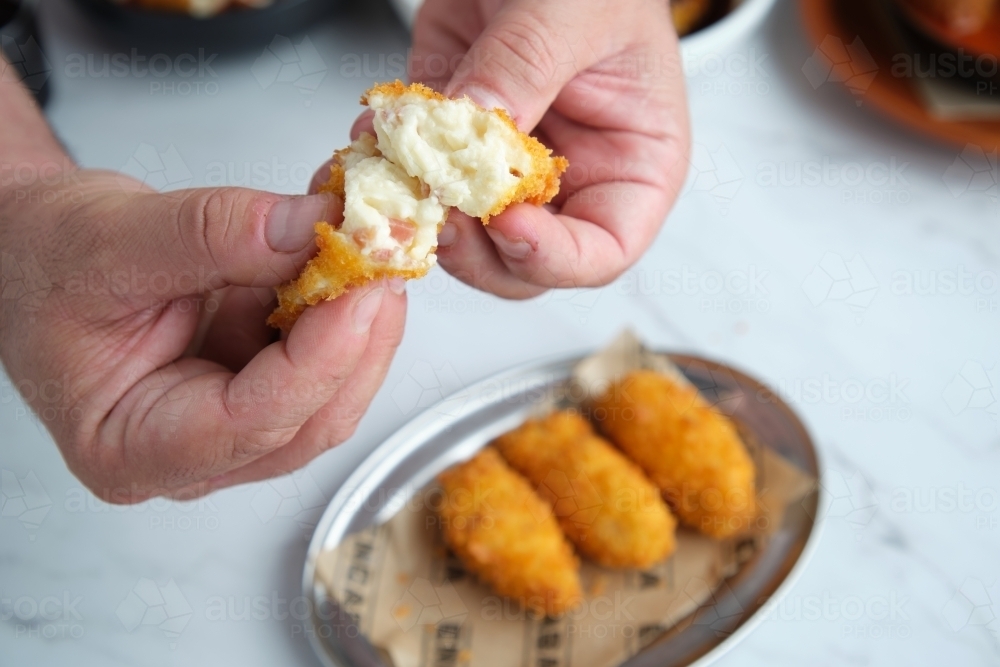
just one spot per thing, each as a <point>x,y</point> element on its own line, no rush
<point>133,323</point>
<point>599,82</point>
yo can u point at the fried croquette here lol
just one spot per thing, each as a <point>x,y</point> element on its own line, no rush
<point>507,536</point>
<point>687,447</point>
<point>604,503</point>
<point>431,153</point>
<point>390,229</point>
<point>688,14</point>
<point>471,158</point>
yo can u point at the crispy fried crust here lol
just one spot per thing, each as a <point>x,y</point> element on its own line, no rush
<point>604,503</point>
<point>506,535</point>
<point>340,265</point>
<point>689,449</point>
<point>538,187</point>
<point>337,267</point>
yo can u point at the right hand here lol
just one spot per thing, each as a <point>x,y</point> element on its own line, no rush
<point>598,82</point>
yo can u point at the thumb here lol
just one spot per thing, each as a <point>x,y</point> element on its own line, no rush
<point>527,53</point>
<point>202,239</point>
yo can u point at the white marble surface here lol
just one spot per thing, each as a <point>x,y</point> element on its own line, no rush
<point>905,413</point>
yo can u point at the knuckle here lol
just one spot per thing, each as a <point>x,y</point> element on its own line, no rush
<point>532,58</point>
<point>99,464</point>
<point>105,482</point>
<point>338,422</point>
<point>250,444</point>
<point>205,219</point>
<point>337,435</point>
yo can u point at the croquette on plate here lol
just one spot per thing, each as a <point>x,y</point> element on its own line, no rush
<point>507,536</point>
<point>604,503</point>
<point>687,447</point>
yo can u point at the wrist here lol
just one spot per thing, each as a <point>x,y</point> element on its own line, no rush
<point>31,155</point>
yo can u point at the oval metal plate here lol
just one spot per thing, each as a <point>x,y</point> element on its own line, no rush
<point>455,428</point>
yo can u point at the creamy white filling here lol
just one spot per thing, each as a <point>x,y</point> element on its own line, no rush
<point>386,212</point>
<point>364,146</point>
<point>468,157</point>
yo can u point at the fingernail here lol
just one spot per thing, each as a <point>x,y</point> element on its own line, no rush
<point>289,223</point>
<point>397,285</point>
<point>448,235</point>
<point>482,96</point>
<point>515,249</point>
<point>366,309</point>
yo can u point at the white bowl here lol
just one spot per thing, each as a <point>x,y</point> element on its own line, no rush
<point>741,21</point>
<point>737,24</point>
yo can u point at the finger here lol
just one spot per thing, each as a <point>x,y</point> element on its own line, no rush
<point>193,241</point>
<point>560,250</point>
<point>530,50</point>
<point>320,178</point>
<point>466,252</point>
<point>336,421</point>
<point>623,178</point>
<point>364,123</point>
<point>239,329</point>
<point>441,37</point>
<point>192,420</point>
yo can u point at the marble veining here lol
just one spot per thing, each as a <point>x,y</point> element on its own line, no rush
<point>837,298</point>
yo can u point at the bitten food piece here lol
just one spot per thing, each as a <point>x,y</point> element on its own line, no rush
<point>507,536</point>
<point>964,16</point>
<point>689,449</point>
<point>604,502</point>
<point>471,158</point>
<point>390,229</point>
<point>431,153</point>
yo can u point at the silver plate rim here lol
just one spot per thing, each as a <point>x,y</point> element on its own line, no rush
<point>431,419</point>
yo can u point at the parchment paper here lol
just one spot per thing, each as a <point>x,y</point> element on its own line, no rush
<point>417,605</point>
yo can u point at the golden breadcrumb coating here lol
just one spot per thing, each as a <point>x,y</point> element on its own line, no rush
<point>506,535</point>
<point>604,503</point>
<point>342,264</point>
<point>687,447</point>
<point>337,267</point>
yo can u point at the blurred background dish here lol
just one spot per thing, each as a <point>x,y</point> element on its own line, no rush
<point>689,15</point>
<point>978,33</point>
<point>704,25</point>
<point>957,17</point>
<point>170,25</point>
<point>21,46</point>
<point>724,25</point>
<point>196,8</point>
<point>874,50</point>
